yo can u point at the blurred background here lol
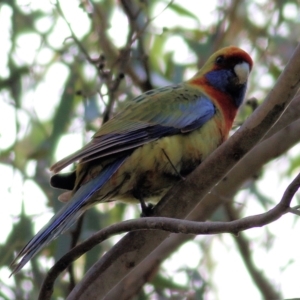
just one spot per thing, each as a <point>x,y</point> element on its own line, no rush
<point>68,66</point>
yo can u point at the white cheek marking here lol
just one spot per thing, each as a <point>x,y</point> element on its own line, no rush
<point>242,71</point>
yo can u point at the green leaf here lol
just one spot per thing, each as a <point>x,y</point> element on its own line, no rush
<point>182,11</point>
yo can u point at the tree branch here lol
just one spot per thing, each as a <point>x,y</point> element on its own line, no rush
<point>133,248</point>
<point>223,192</point>
<point>171,225</point>
<point>267,290</point>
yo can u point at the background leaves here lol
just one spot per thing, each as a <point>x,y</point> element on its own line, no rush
<point>61,76</point>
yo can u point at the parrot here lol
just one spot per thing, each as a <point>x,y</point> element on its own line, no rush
<point>159,138</point>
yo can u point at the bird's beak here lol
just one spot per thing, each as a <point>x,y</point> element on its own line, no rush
<point>242,71</point>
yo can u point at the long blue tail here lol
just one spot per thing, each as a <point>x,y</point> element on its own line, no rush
<point>66,216</point>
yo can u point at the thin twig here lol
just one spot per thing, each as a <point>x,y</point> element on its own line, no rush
<point>170,225</point>
<point>74,37</point>
<point>267,290</point>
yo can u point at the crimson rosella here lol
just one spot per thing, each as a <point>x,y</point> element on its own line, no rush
<point>161,136</point>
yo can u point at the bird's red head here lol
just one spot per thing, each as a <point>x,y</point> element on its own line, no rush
<point>223,78</point>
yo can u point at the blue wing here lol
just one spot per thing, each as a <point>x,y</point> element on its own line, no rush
<point>147,119</point>
<point>191,117</point>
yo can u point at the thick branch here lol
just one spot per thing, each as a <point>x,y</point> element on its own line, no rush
<point>283,135</point>
<point>134,247</point>
<point>223,192</point>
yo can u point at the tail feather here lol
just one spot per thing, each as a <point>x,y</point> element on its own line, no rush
<point>66,216</point>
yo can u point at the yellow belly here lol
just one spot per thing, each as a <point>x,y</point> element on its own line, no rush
<point>153,168</point>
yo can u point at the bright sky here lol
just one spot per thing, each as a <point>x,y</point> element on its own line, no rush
<point>229,268</point>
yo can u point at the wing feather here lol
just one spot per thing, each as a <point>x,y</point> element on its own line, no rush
<point>178,110</point>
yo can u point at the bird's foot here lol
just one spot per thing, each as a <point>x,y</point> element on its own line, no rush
<point>147,210</point>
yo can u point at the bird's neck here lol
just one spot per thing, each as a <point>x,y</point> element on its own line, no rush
<point>224,102</point>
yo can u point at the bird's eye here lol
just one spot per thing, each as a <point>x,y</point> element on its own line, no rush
<point>220,59</point>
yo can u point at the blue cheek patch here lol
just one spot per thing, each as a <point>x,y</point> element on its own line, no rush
<point>221,80</point>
